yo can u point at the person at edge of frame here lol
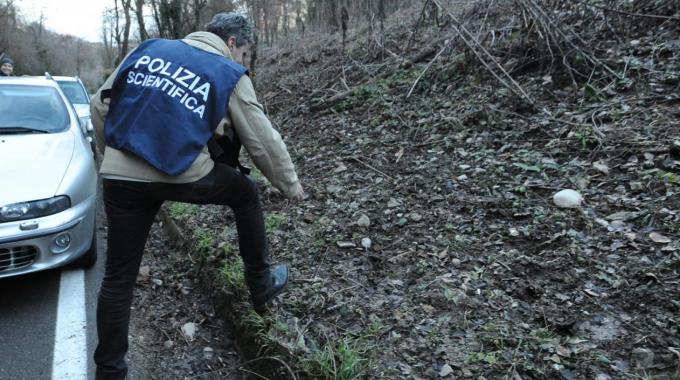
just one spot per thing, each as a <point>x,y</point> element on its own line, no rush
<point>153,119</point>
<point>6,67</point>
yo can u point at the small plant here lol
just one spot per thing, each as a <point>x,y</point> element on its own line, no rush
<point>228,250</point>
<point>180,210</point>
<point>343,362</point>
<point>258,325</point>
<point>351,362</point>
<point>273,221</point>
<point>204,241</point>
<point>233,273</point>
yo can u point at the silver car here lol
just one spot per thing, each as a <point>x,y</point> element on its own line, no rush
<point>75,91</point>
<point>48,180</point>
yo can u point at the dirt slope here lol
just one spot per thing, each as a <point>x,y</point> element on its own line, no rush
<point>430,246</point>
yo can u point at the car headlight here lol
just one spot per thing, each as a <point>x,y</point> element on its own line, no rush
<point>34,209</point>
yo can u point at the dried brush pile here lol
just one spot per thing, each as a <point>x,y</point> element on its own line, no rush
<point>574,42</point>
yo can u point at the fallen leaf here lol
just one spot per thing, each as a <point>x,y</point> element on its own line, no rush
<point>658,238</point>
<point>399,154</point>
<point>563,351</point>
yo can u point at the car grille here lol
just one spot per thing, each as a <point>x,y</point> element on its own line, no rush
<point>17,257</point>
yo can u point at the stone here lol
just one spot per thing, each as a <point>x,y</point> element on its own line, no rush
<point>189,331</point>
<point>363,221</point>
<point>445,371</point>
<point>366,243</point>
<point>144,273</point>
<point>568,199</point>
<point>168,344</point>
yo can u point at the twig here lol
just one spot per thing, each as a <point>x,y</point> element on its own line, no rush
<point>477,47</point>
<point>424,71</point>
<point>538,11</point>
<point>253,373</point>
<point>274,358</point>
<point>628,13</point>
<point>355,158</point>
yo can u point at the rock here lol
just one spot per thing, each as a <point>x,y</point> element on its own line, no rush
<point>168,344</point>
<point>366,243</point>
<point>189,331</point>
<point>445,371</point>
<point>602,376</point>
<point>393,203</point>
<point>144,273</point>
<point>642,358</point>
<point>568,199</point>
<point>414,216</point>
<point>363,221</point>
<point>513,232</point>
<point>157,281</point>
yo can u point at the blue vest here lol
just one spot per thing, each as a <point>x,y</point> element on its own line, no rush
<point>166,102</point>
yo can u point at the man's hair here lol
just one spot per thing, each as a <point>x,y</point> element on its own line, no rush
<point>231,24</point>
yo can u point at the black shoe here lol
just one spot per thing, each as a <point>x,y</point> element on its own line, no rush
<point>268,286</point>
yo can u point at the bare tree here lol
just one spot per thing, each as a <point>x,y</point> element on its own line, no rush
<point>139,15</point>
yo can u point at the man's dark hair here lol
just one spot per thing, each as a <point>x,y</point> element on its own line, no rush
<point>231,24</point>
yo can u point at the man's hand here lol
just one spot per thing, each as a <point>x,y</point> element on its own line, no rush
<point>299,194</point>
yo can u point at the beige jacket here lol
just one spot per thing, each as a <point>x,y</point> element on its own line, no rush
<point>245,115</point>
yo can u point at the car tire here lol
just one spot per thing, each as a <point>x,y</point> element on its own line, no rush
<point>89,258</point>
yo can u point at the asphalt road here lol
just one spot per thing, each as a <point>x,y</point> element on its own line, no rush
<point>28,311</point>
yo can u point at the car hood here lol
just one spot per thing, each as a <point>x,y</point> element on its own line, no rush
<point>33,166</point>
<point>82,109</point>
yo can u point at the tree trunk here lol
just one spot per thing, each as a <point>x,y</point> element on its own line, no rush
<point>139,14</point>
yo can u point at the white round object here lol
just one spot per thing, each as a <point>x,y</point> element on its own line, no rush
<point>568,199</point>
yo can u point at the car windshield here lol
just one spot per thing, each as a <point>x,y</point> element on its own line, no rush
<point>74,92</point>
<point>31,109</point>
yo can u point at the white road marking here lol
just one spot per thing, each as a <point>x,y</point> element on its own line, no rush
<point>70,344</point>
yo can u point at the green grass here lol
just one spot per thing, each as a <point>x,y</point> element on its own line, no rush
<point>233,272</point>
<point>205,241</point>
<point>180,210</point>
<point>343,360</point>
<point>273,221</point>
<point>228,250</point>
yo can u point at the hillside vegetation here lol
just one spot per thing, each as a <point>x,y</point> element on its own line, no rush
<point>430,246</point>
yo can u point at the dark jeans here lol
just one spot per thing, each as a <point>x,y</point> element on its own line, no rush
<point>130,210</point>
